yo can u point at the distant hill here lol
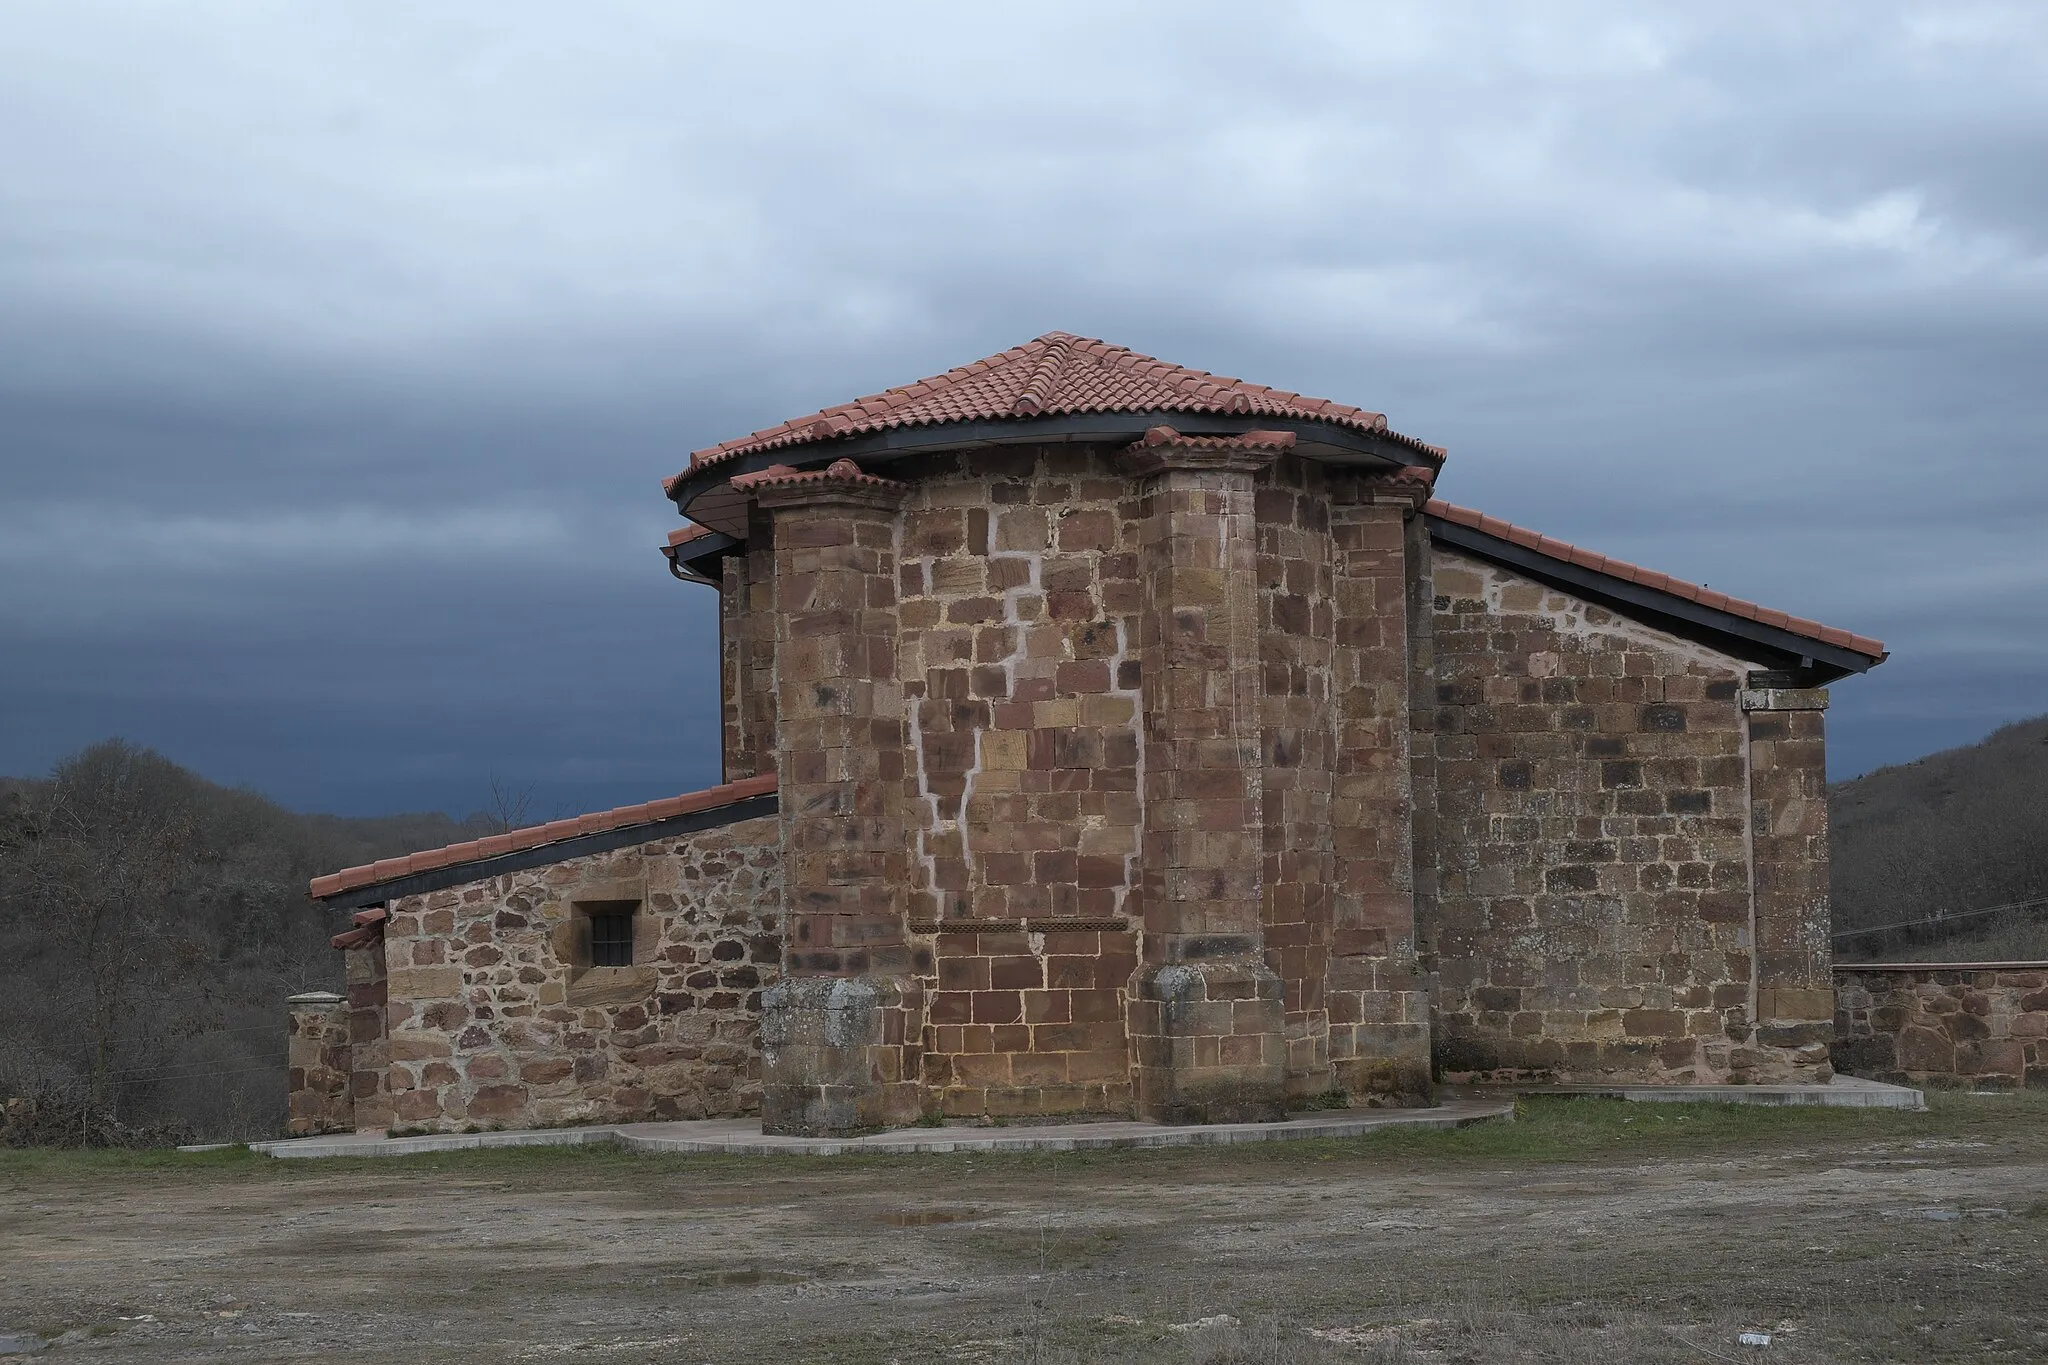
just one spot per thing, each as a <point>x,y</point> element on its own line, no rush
<point>1954,831</point>
<point>152,924</point>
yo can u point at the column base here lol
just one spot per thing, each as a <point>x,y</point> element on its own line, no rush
<point>1211,1042</point>
<point>1791,1044</point>
<point>836,1057</point>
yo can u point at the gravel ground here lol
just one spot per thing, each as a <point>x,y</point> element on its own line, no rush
<point>1590,1231</point>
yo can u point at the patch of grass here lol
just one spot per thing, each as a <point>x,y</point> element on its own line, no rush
<point>1546,1130</point>
<point>36,1161</point>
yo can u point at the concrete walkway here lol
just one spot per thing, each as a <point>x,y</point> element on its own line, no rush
<point>1843,1092</point>
<point>743,1137</point>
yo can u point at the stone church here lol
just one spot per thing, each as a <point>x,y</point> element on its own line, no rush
<point>1103,737</point>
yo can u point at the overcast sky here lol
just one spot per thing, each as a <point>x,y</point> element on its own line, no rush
<point>343,347</point>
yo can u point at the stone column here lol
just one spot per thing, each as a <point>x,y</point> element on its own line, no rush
<point>1379,1007</point>
<point>1793,1002</point>
<point>1206,1014</point>
<point>317,1063</point>
<point>840,1031</point>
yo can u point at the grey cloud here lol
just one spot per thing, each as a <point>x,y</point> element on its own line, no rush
<point>339,358</point>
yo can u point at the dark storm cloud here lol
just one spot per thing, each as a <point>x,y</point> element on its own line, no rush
<point>339,357</point>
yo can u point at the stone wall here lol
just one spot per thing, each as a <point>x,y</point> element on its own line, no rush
<point>369,996</point>
<point>1300,735</point>
<point>491,1021</point>
<point>1027,1022</point>
<point>1378,1002</point>
<point>1984,1026</point>
<point>1019,592</point>
<point>1017,644</point>
<point>1594,911</point>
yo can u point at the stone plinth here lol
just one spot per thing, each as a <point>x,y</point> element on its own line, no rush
<point>833,1052</point>
<point>1208,1042</point>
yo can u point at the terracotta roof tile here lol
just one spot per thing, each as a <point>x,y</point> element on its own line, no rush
<point>1647,578</point>
<point>1248,440</point>
<point>783,476</point>
<point>683,535</point>
<point>1055,375</point>
<point>388,869</point>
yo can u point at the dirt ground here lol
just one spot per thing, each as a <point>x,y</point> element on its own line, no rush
<point>1587,1231</point>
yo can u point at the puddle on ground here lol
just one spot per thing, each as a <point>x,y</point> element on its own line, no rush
<point>1926,1215</point>
<point>738,1278</point>
<point>924,1218</point>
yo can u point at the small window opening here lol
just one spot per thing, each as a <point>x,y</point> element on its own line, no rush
<point>611,936</point>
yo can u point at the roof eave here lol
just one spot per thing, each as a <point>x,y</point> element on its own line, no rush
<point>1325,442</point>
<point>698,559</point>
<point>543,855</point>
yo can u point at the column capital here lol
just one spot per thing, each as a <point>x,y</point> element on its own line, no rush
<point>841,483</point>
<point>1408,486</point>
<point>1163,449</point>
<point>1784,699</point>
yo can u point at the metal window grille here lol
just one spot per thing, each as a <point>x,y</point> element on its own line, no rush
<point>611,938</point>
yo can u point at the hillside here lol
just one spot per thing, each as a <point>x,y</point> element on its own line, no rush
<point>152,924</point>
<point>1954,831</point>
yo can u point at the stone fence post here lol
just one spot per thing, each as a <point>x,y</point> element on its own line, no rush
<point>317,1055</point>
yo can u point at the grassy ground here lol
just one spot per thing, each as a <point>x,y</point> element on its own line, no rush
<point>1586,1231</point>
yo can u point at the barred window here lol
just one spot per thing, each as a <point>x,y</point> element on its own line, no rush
<point>611,934</point>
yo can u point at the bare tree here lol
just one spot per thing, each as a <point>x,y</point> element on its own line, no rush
<point>507,810</point>
<point>101,852</point>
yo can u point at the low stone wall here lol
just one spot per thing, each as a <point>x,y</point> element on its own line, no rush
<point>1982,1024</point>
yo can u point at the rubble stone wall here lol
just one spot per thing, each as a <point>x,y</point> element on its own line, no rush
<point>1594,909</point>
<point>1984,1026</point>
<point>491,1021</point>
